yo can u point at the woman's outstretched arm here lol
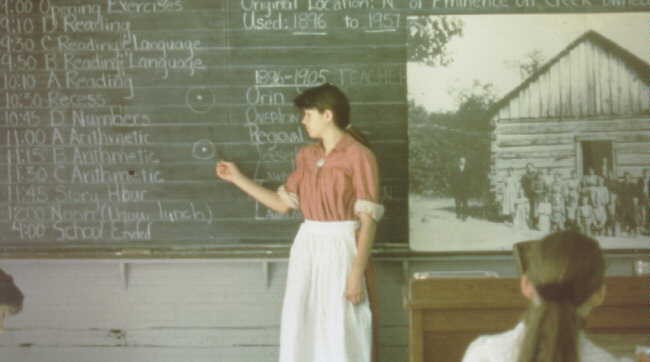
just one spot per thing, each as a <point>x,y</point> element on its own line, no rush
<point>228,171</point>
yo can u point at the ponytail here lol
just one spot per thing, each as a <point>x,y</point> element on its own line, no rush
<point>567,269</point>
<point>551,333</point>
<point>357,135</point>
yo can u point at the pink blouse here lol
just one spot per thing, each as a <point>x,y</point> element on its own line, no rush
<point>337,186</point>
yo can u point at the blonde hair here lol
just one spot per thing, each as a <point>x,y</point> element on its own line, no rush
<point>566,269</point>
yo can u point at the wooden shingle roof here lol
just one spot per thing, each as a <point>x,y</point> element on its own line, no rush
<point>636,65</point>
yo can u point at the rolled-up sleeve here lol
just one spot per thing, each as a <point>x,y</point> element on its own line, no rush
<point>289,191</point>
<point>366,185</point>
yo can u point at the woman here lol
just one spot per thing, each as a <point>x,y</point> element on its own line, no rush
<point>564,279</point>
<point>326,315</point>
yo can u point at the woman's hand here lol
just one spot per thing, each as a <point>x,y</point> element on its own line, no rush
<point>227,171</point>
<point>354,289</point>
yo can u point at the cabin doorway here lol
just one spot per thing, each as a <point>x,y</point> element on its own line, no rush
<point>597,155</point>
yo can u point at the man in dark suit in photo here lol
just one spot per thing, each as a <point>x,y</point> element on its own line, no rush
<point>533,185</point>
<point>460,187</point>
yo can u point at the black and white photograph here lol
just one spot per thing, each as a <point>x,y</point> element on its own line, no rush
<point>520,125</point>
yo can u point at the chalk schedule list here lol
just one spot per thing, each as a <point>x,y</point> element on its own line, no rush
<point>112,115</point>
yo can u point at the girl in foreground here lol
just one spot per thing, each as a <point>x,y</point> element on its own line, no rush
<point>564,280</point>
<point>326,315</point>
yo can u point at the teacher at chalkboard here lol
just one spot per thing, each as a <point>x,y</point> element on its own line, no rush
<point>326,315</point>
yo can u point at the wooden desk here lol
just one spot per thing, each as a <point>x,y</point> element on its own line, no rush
<point>445,315</point>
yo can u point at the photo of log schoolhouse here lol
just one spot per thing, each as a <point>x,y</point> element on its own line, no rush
<point>569,145</point>
<point>513,135</point>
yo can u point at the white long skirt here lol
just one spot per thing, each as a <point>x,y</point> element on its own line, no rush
<point>318,323</point>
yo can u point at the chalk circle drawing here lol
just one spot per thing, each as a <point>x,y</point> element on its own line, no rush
<point>203,150</point>
<point>200,100</point>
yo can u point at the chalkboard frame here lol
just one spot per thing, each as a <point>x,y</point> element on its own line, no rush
<point>411,7</point>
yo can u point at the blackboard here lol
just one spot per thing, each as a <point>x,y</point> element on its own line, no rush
<point>113,113</point>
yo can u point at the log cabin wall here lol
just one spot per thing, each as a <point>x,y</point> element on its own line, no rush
<point>593,90</point>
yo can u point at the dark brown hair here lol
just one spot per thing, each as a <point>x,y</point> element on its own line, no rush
<point>10,294</point>
<point>566,268</point>
<point>329,97</point>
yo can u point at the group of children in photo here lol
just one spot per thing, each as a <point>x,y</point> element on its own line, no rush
<point>594,204</point>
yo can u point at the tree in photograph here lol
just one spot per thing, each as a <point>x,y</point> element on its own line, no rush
<point>438,139</point>
<point>428,37</point>
<point>428,148</point>
<point>472,118</point>
<point>530,64</point>
<point>474,103</point>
